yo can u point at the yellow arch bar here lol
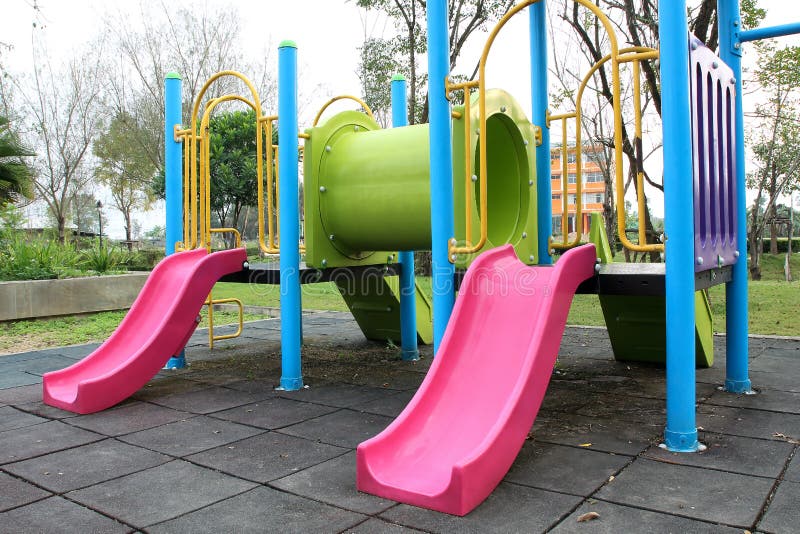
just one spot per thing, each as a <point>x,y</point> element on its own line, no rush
<point>327,104</point>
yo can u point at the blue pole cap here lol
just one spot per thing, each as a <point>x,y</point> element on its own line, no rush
<point>288,43</point>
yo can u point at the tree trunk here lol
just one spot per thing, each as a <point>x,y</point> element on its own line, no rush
<point>773,236</point>
<point>755,257</point>
<point>128,229</point>
<point>61,224</point>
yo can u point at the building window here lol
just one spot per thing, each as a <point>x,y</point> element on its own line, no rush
<point>572,157</point>
<point>571,178</point>
<point>594,177</point>
<point>557,196</point>
<point>593,198</point>
<point>571,200</point>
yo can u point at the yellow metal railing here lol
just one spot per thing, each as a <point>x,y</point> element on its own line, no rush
<point>633,55</point>
<point>327,104</point>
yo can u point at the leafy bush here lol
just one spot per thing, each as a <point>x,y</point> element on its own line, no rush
<point>26,258</point>
<point>783,245</point>
<point>103,257</point>
<point>145,259</point>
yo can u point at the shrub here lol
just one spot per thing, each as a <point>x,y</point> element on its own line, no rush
<point>783,245</point>
<point>103,257</point>
<point>25,258</point>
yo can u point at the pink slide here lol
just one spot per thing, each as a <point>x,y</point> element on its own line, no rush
<point>461,432</point>
<point>157,327</point>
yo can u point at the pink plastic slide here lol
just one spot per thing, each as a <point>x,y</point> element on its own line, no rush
<point>157,327</point>
<point>463,429</point>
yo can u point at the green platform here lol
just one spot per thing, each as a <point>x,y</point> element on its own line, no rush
<point>375,305</point>
<point>637,324</point>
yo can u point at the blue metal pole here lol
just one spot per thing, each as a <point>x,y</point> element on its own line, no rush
<point>681,431</point>
<point>408,293</point>
<point>544,204</point>
<point>736,366</point>
<point>765,33</point>
<point>173,179</point>
<point>442,227</point>
<point>291,310</point>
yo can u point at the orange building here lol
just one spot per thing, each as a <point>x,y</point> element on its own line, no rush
<point>593,188</point>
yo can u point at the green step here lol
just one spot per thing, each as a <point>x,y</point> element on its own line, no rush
<point>375,305</point>
<point>637,328</point>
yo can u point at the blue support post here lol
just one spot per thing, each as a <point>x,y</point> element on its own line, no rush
<point>408,294</point>
<point>539,92</point>
<point>173,179</point>
<point>289,215</point>
<point>441,148</point>
<point>736,348</point>
<point>681,432</point>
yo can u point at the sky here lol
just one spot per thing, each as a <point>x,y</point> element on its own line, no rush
<point>327,32</point>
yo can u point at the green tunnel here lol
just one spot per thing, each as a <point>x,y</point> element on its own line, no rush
<point>367,190</point>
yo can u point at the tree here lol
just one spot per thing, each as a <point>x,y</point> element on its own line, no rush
<point>15,176</point>
<point>464,19</point>
<point>84,212</point>
<point>127,173</point>
<point>233,165</point>
<point>62,103</point>
<point>196,44</point>
<point>775,142</point>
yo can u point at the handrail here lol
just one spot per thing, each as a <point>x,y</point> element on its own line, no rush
<point>634,55</point>
<point>325,106</point>
<point>482,174</point>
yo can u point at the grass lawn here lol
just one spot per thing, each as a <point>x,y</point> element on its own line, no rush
<point>19,336</point>
<point>774,309</point>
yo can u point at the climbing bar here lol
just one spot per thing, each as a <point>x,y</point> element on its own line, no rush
<point>469,177</point>
<point>325,106</point>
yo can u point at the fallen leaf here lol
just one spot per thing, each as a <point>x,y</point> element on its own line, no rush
<point>585,445</point>
<point>588,516</point>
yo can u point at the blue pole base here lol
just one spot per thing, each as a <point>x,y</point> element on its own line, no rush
<point>738,386</point>
<point>176,362</point>
<point>682,442</point>
<point>410,355</point>
<point>290,384</point>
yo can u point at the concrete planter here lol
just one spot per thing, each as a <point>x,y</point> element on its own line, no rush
<point>48,298</point>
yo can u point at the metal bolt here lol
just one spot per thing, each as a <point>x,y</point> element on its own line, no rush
<point>328,148</point>
<point>715,65</point>
<point>737,46</point>
<point>388,309</point>
<point>597,268</point>
<point>390,257</point>
<point>355,128</point>
<point>694,46</point>
<point>733,81</point>
<point>531,258</point>
<point>453,257</point>
<point>699,260</point>
<point>552,251</point>
<point>322,189</point>
<point>524,235</point>
<point>324,262</point>
<point>246,265</point>
<point>735,22</point>
<point>530,182</point>
<point>720,260</point>
<point>502,109</point>
<point>474,177</point>
<point>331,237</point>
<point>662,238</point>
<point>735,253</point>
<point>453,241</point>
<point>525,142</point>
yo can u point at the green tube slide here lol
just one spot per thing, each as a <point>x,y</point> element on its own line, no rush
<point>367,195</point>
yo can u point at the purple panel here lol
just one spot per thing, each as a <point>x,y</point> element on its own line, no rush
<point>713,155</point>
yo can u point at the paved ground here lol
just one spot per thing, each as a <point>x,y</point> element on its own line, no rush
<point>215,449</point>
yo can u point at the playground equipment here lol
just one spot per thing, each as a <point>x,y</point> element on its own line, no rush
<point>371,202</point>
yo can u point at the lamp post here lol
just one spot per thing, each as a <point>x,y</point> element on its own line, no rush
<point>99,206</point>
